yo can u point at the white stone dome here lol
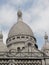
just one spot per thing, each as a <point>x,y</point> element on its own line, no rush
<point>20,27</point>
<point>19,34</point>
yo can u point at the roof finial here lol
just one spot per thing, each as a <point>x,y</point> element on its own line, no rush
<point>19,13</point>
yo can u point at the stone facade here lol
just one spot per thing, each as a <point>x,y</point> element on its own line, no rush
<point>21,47</point>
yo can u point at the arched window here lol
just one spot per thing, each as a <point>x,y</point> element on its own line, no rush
<point>18,37</point>
<point>10,39</point>
<point>22,37</point>
<point>13,38</point>
<point>27,37</point>
<point>18,49</point>
<point>23,47</point>
<point>29,44</point>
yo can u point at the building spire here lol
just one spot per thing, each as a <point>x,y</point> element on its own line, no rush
<point>46,37</point>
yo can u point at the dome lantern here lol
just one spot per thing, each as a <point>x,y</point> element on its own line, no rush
<point>19,14</point>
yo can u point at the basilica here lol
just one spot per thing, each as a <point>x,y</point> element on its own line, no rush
<point>21,46</point>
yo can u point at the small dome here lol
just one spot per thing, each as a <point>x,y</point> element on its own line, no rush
<point>20,27</point>
<point>45,46</point>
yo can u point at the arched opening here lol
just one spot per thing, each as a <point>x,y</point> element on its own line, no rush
<point>29,44</point>
<point>23,47</point>
<point>29,47</point>
<point>18,49</point>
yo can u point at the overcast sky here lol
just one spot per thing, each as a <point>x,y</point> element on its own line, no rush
<point>35,14</point>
